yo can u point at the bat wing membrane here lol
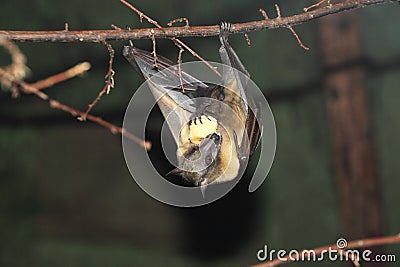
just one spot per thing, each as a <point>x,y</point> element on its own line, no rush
<point>165,83</point>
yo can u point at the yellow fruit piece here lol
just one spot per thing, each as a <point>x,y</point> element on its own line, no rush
<point>201,127</point>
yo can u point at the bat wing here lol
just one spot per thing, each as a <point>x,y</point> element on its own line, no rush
<point>236,78</point>
<point>253,128</point>
<point>231,76</point>
<point>165,82</point>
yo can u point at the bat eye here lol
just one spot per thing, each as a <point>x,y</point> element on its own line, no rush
<point>208,160</point>
<point>194,149</point>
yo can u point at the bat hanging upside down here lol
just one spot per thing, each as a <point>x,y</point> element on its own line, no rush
<point>214,126</point>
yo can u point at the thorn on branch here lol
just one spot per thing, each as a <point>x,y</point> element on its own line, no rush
<point>278,11</point>
<point>66,27</point>
<point>178,20</point>
<point>116,27</point>
<point>263,13</point>
<point>247,39</point>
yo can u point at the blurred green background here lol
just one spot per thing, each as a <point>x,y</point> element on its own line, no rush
<point>67,198</point>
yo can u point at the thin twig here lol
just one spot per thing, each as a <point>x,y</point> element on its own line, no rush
<point>63,76</point>
<point>317,5</point>
<point>263,13</point>
<point>180,67</point>
<point>113,128</point>
<point>110,72</point>
<point>248,41</point>
<point>197,55</point>
<point>84,115</point>
<point>362,243</point>
<point>298,38</point>
<point>278,12</point>
<point>178,20</point>
<point>141,14</point>
<point>109,82</point>
<point>154,53</point>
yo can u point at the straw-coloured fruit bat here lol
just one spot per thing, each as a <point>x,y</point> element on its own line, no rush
<point>214,126</point>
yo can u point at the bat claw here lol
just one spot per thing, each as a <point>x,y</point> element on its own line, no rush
<point>225,30</point>
<point>225,27</point>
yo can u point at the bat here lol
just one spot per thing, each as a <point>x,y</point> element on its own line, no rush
<point>215,127</point>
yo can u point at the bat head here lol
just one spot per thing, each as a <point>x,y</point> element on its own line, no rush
<point>197,162</point>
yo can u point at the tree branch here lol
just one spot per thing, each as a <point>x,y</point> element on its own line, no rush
<point>185,31</point>
<point>29,89</point>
